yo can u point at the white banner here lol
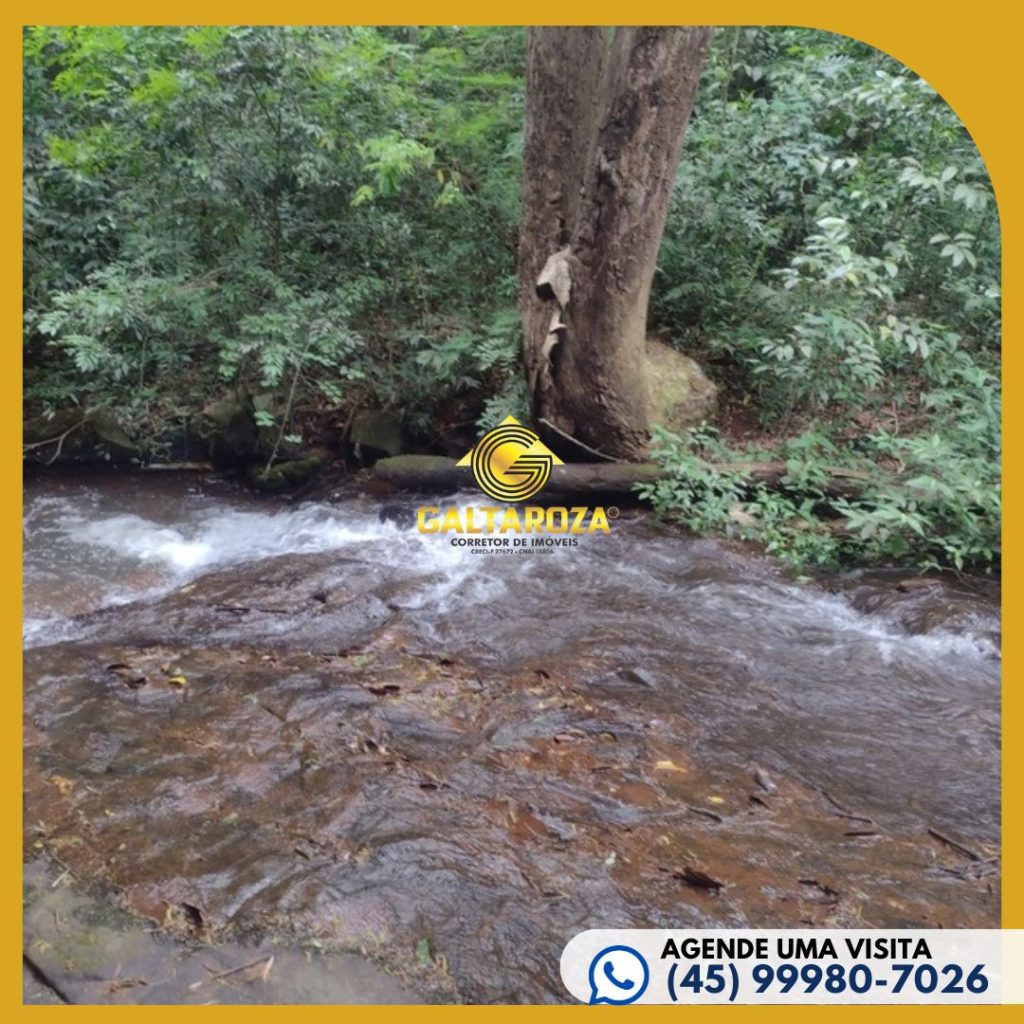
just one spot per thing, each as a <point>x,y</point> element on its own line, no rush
<point>621,967</point>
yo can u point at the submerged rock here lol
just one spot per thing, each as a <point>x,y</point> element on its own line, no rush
<point>330,774</point>
<point>383,746</point>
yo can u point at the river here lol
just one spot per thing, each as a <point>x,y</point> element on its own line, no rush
<point>487,753</point>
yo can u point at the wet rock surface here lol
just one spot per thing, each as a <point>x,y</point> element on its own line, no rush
<point>445,771</point>
<point>371,795</point>
<point>79,949</point>
<point>924,604</point>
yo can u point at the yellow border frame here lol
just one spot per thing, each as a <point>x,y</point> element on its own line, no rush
<point>971,56</point>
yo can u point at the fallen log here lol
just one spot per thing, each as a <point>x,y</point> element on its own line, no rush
<point>178,467</point>
<point>583,481</point>
<point>590,481</point>
<point>840,481</point>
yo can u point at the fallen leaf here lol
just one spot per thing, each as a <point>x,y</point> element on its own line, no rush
<point>63,784</point>
<point>265,973</point>
<point>764,780</point>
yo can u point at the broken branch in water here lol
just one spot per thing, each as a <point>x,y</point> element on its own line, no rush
<point>58,439</point>
<point>705,813</point>
<point>832,800</point>
<point>698,879</point>
<point>954,845</point>
<point>268,961</point>
<point>178,467</point>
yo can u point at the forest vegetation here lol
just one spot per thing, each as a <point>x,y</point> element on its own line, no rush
<point>326,220</point>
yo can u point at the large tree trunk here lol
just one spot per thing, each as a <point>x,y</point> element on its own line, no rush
<point>605,114</point>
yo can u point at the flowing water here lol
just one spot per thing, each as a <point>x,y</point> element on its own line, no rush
<point>880,705</point>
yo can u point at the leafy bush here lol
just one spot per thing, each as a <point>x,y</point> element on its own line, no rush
<point>212,206</point>
<point>833,249</point>
<point>938,506</point>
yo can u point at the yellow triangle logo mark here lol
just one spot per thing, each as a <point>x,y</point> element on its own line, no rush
<point>537,447</point>
<point>510,462</point>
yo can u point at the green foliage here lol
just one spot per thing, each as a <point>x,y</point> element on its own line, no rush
<point>825,191</point>
<point>466,357</point>
<point>930,501</point>
<point>329,214</point>
<point>207,207</point>
<point>833,249</point>
<point>458,358</point>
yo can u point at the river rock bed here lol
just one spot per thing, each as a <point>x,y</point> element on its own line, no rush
<point>312,734</point>
<point>340,782</point>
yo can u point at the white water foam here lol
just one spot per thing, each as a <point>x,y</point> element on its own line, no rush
<point>112,554</point>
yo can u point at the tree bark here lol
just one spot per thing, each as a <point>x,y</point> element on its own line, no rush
<point>606,111</point>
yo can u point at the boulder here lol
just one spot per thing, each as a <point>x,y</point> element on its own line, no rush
<point>227,430</point>
<point>77,435</point>
<point>288,473</point>
<point>681,396</point>
<point>378,430</point>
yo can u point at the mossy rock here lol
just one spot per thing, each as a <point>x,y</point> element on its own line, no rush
<point>283,476</point>
<point>681,395</point>
<point>379,431</point>
<point>226,428</point>
<point>78,435</point>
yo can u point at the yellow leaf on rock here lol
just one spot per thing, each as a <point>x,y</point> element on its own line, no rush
<point>63,784</point>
